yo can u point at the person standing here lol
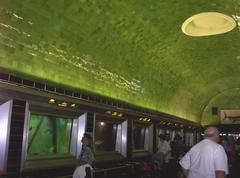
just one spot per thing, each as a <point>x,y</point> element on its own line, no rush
<point>207,159</point>
<point>168,148</point>
<point>176,146</point>
<point>86,157</point>
<point>163,150</point>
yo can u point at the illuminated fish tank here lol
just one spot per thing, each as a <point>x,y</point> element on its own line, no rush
<point>49,135</point>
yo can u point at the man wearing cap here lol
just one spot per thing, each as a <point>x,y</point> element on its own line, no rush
<point>207,159</point>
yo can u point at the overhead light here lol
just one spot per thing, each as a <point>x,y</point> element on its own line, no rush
<point>207,24</point>
<point>63,104</point>
<point>149,120</point>
<point>140,119</point>
<point>73,105</point>
<point>120,114</point>
<point>145,119</point>
<point>102,123</point>
<point>114,113</point>
<point>51,101</point>
<point>108,112</point>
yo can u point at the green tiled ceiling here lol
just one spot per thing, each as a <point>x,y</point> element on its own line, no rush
<point>130,50</point>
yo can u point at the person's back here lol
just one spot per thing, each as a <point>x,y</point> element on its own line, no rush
<point>207,159</point>
<point>202,157</point>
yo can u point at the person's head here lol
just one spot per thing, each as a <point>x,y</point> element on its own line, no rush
<point>161,137</point>
<point>238,140</point>
<point>177,137</point>
<point>212,133</point>
<point>87,140</point>
<point>167,137</point>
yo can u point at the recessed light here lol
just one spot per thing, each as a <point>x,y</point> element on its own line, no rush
<point>73,105</point>
<point>51,101</point>
<point>102,123</point>
<point>63,104</point>
<point>120,114</point>
<point>108,112</point>
<point>114,113</point>
<point>208,23</point>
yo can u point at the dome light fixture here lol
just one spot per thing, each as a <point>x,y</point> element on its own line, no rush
<point>207,24</point>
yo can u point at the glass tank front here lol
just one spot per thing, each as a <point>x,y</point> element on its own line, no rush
<point>49,135</point>
<point>139,132</point>
<point>105,136</point>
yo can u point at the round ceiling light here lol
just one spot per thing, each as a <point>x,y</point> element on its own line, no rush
<point>208,23</point>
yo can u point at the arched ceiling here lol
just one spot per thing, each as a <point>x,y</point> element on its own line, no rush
<point>228,99</point>
<point>129,50</point>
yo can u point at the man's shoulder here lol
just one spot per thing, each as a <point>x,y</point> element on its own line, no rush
<point>207,143</point>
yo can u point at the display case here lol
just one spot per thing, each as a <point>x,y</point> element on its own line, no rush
<point>49,135</point>
<point>142,139</point>
<point>52,138</point>
<point>189,138</point>
<point>110,138</point>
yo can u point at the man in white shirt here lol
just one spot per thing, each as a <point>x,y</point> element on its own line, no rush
<point>163,149</point>
<point>207,159</point>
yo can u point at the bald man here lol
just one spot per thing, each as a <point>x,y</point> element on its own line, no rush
<point>207,159</point>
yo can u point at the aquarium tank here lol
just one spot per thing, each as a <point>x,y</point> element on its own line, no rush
<point>138,136</point>
<point>49,135</point>
<point>105,136</point>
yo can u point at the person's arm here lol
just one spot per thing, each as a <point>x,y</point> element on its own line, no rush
<point>90,156</point>
<point>220,163</point>
<point>185,164</point>
<point>87,156</point>
<point>185,172</point>
<point>81,162</point>
<point>220,174</point>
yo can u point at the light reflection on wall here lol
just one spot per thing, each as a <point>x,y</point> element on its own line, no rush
<point>52,54</point>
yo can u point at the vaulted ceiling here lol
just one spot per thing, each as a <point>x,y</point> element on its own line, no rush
<point>132,50</point>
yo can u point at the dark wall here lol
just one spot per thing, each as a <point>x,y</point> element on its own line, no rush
<point>16,139</point>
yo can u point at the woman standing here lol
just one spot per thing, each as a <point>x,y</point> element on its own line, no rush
<point>86,157</point>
